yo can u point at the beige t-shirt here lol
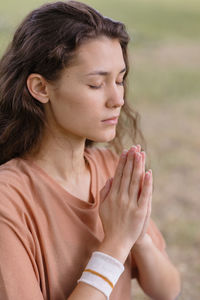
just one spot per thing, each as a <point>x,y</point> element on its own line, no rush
<point>47,235</point>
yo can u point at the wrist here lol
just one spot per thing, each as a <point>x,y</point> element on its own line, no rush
<point>102,272</point>
<point>115,249</point>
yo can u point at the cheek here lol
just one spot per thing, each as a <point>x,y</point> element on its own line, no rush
<point>77,110</point>
<point>77,104</point>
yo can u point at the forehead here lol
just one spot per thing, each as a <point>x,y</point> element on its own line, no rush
<point>102,53</point>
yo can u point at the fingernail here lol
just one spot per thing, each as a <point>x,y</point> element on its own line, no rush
<point>147,175</point>
<point>124,153</point>
<point>133,148</point>
<point>137,156</point>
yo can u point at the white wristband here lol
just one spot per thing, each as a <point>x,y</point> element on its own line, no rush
<point>102,272</point>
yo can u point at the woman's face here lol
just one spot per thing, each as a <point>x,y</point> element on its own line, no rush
<point>89,92</point>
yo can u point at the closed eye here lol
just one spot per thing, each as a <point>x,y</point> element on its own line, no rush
<point>95,87</point>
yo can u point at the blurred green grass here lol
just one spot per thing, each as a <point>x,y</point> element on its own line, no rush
<point>150,23</point>
<point>147,20</point>
<point>153,20</point>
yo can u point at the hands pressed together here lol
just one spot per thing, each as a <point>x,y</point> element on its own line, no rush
<point>125,210</point>
<point>126,203</point>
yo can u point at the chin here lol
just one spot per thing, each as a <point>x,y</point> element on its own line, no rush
<point>103,139</point>
<point>102,136</point>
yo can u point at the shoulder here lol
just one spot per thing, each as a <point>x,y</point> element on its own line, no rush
<point>14,206</point>
<point>13,187</point>
<point>12,173</point>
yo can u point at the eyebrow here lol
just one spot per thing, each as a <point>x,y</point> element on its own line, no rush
<point>103,73</point>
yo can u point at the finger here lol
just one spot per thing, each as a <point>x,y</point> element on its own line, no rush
<point>150,199</point>
<point>143,154</point>
<point>146,190</point>
<point>119,171</point>
<point>135,183</point>
<point>147,219</point>
<point>138,148</point>
<point>128,169</point>
<point>143,170</point>
<point>149,208</point>
<point>135,149</point>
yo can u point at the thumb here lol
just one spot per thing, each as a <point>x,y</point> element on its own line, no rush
<point>105,190</point>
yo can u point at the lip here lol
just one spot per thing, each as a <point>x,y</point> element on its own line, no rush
<point>112,120</point>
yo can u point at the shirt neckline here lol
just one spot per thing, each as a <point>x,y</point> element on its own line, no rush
<point>73,199</point>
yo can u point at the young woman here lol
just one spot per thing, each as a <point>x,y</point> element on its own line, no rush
<point>74,218</point>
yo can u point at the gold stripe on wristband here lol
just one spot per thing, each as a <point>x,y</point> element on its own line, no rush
<point>100,275</point>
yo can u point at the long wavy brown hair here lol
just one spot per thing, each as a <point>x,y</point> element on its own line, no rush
<point>45,43</point>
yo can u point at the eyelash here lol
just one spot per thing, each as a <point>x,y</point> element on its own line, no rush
<point>98,87</point>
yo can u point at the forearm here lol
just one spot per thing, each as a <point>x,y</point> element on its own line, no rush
<point>86,292</point>
<point>156,274</point>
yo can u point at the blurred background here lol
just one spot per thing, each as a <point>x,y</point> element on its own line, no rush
<point>164,86</point>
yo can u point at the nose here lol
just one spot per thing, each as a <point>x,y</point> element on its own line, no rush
<point>115,96</point>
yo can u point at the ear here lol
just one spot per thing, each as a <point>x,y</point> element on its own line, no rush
<point>37,87</point>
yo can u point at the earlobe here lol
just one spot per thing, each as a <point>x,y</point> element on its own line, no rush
<point>37,87</point>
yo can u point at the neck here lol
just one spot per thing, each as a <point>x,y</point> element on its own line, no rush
<point>62,158</point>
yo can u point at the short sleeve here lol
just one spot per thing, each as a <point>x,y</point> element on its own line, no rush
<point>18,270</point>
